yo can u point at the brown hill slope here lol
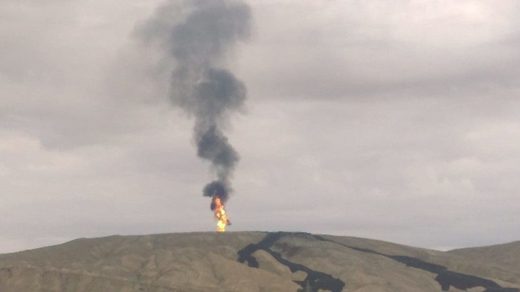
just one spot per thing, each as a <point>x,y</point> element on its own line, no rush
<point>506,255</point>
<point>501,257</point>
<point>248,261</point>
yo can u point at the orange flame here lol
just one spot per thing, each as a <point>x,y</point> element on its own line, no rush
<point>220,214</point>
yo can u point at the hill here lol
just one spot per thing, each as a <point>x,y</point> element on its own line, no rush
<point>256,261</point>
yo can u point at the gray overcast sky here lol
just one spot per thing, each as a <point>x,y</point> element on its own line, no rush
<point>395,120</point>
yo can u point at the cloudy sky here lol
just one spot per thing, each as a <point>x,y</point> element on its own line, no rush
<point>395,120</point>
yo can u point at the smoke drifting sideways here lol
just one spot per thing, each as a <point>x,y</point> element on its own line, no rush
<point>196,37</point>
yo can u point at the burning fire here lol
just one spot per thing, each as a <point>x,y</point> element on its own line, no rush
<point>220,214</point>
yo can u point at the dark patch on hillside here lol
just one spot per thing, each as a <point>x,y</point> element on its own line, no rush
<point>314,281</point>
<point>445,277</point>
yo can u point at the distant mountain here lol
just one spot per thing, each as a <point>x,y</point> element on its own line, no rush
<point>256,261</point>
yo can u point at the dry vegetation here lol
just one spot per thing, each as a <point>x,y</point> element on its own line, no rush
<point>276,262</point>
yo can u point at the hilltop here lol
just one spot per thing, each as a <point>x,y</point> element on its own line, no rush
<point>257,261</point>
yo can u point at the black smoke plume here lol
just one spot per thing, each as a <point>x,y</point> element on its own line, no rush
<point>197,36</point>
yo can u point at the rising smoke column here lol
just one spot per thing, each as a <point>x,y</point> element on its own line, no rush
<point>197,36</point>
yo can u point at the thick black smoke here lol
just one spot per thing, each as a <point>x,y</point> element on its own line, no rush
<point>197,35</point>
